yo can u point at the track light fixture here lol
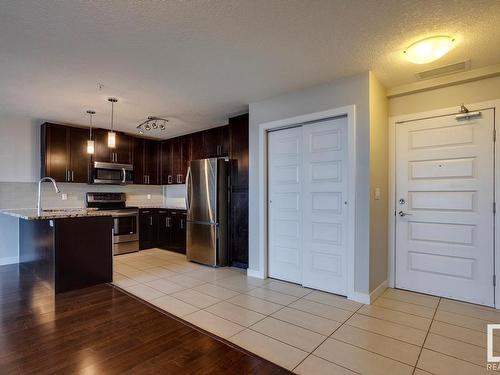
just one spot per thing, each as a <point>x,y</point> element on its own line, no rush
<point>152,123</point>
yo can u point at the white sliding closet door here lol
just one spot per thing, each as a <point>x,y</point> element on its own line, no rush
<point>324,213</point>
<point>285,201</point>
<point>307,188</point>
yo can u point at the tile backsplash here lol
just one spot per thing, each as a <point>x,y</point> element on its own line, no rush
<point>24,194</point>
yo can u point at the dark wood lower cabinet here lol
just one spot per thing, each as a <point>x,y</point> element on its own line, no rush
<point>163,228</point>
<point>68,254</point>
<point>148,228</point>
<point>238,224</point>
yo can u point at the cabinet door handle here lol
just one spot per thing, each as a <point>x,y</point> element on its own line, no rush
<point>167,222</point>
<point>182,224</point>
<point>67,176</point>
<point>219,150</point>
<point>151,220</point>
<point>169,179</point>
<point>148,179</point>
<point>73,176</point>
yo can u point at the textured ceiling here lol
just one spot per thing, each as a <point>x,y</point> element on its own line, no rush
<point>199,61</point>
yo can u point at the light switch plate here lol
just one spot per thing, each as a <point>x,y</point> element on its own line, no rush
<point>64,196</point>
<point>377,194</point>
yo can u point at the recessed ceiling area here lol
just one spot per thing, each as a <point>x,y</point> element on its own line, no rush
<point>198,62</point>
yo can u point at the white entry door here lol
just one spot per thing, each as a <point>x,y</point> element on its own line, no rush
<point>285,203</point>
<point>324,192</point>
<point>444,207</point>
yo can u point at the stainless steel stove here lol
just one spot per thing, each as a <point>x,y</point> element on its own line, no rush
<point>125,220</point>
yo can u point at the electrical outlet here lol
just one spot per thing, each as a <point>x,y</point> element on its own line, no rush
<point>149,196</point>
<point>64,196</point>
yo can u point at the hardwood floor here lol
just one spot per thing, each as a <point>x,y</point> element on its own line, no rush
<point>101,330</point>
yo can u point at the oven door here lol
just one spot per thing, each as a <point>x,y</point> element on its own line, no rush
<point>125,226</point>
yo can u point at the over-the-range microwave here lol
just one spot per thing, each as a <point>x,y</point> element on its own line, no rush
<point>112,173</point>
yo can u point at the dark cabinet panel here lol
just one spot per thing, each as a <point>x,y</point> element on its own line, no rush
<point>122,153</point>
<point>138,162</point>
<point>238,144</point>
<point>79,159</point>
<point>196,146</point>
<point>162,228</point>
<point>102,152</point>
<point>148,229</point>
<point>238,228</point>
<point>146,161</point>
<point>166,174</point>
<point>152,162</point>
<point>180,159</point>
<point>55,157</point>
<point>64,153</point>
<point>215,142</point>
<point>123,149</point>
<point>238,222</point>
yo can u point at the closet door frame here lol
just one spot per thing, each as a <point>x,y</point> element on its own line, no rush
<point>263,202</point>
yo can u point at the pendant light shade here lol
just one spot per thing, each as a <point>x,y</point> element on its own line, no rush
<point>112,134</point>
<point>111,139</point>
<point>90,146</point>
<point>90,142</point>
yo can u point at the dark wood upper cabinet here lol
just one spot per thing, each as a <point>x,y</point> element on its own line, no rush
<point>102,152</point>
<point>64,153</point>
<point>138,162</point>
<point>180,159</point>
<point>55,157</point>
<point>166,171</point>
<point>215,142</point>
<point>122,153</point>
<point>152,162</point>
<point>238,144</point>
<point>79,159</point>
<point>196,146</point>
<point>123,149</point>
<point>146,161</point>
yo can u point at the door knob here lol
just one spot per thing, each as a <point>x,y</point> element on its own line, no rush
<point>403,214</point>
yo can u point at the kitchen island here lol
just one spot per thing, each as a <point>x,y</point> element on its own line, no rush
<point>66,249</point>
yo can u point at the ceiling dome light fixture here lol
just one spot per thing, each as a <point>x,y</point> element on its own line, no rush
<point>152,123</point>
<point>112,134</point>
<point>90,142</point>
<point>429,49</point>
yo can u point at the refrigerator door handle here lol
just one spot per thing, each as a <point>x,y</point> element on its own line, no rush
<point>188,177</point>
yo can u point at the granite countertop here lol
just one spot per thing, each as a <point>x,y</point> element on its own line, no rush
<point>165,206</point>
<point>63,213</point>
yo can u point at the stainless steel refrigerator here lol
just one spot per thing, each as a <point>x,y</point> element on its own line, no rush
<point>206,204</point>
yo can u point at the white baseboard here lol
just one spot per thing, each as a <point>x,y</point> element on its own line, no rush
<point>8,260</point>
<point>359,297</point>
<point>255,273</point>
<point>377,292</point>
<point>366,298</point>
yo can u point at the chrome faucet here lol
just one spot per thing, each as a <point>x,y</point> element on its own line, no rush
<point>39,203</point>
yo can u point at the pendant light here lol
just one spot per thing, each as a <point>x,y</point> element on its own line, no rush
<point>112,134</point>
<point>90,142</point>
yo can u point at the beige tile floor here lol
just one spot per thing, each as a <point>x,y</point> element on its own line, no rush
<point>311,332</point>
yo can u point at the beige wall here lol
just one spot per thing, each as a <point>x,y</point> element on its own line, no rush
<point>471,92</point>
<point>342,92</point>
<point>378,179</point>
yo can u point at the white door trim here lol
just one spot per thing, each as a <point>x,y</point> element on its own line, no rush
<point>393,121</point>
<point>348,111</point>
